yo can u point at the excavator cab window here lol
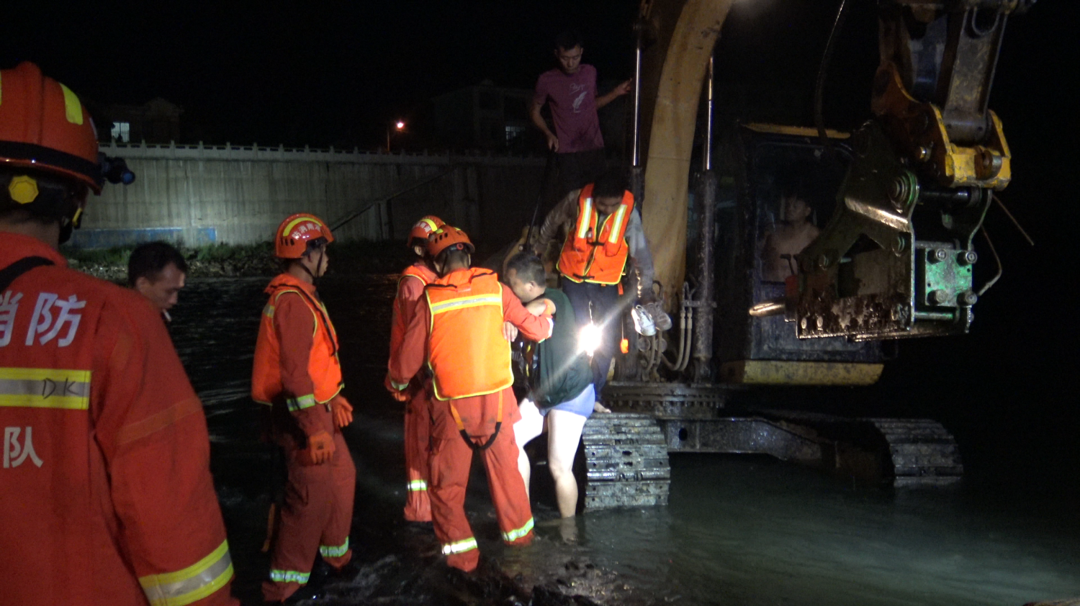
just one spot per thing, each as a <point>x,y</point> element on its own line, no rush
<point>794,187</point>
<point>784,192</point>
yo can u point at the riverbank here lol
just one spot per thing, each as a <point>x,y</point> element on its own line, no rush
<point>244,261</point>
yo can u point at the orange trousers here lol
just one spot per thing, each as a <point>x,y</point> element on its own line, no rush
<point>451,459</point>
<point>315,518</point>
<point>417,455</point>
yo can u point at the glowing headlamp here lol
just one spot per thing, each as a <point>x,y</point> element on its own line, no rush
<point>589,338</point>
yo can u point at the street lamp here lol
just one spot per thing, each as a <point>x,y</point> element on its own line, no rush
<point>397,125</point>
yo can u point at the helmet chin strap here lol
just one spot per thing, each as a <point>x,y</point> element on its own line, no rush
<point>318,264</point>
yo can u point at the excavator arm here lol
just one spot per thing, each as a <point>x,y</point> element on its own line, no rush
<point>896,258</point>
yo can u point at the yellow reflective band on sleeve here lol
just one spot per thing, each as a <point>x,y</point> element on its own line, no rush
<point>417,485</point>
<point>514,535</point>
<point>268,311</point>
<point>465,302</point>
<point>192,583</point>
<point>334,551</point>
<point>45,388</point>
<point>301,403</point>
<point>398,386</point>
<point>616,227</point>
<point>585,220</point>
<point>72,107</point>
<point>459,546</point>
<point>289,576</point>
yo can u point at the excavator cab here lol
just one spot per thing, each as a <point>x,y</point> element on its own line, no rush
<point>777,190</point>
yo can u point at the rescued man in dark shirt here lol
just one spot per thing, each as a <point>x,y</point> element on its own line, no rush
<point>562,398</point>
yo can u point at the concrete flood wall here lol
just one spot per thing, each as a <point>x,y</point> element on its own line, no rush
<point>239,195</point>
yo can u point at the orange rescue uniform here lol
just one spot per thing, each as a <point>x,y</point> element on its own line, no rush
<point>597,253</point>
<point>297,372</point>
<point>418,410</point>
<point>459,326</point>
<point>105,488</point>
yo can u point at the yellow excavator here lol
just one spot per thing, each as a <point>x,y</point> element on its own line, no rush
<point>887,215</point>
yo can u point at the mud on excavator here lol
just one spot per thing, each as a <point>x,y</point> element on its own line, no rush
<point>887,213</point>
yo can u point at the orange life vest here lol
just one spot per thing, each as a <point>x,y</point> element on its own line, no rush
<point>402,317</point>
<point>324,368</point>
<point>595,253</point>
<point>421,271</point>
<point>467,353</point>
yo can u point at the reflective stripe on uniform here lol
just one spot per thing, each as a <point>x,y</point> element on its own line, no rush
<point>417,485</point>
<point>268,311</point>
<point>398,386</point>
<point>289,576</point>
<point>465,302</point>
<point>192,583</point>
<point>616,228</point>
<point>301,403</point>
<point>45,388</point>
<point>334,551</point>
<point>459,546</point>
<point>585,221</point>
<point>516,534</point>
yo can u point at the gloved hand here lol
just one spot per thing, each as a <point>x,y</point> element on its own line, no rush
<point>401,395</point>
<point>342,411</point>
<point>320,449</point>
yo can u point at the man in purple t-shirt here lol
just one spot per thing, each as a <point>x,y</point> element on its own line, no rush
<point>570,92</point>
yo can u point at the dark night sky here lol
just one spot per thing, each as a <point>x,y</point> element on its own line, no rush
<point>305,73</point>
<point>335,72</point>
<point>323,73</point>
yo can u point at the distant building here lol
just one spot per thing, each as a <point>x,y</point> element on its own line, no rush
<point>157,121</point>
<point>484,116</point>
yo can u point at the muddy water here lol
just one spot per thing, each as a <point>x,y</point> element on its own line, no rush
<point>739,530</point>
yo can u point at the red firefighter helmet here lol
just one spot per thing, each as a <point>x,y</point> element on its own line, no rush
<point>423,228</point>
<point>446,237</point>
<point>298,233</point>
<point>43,126</point>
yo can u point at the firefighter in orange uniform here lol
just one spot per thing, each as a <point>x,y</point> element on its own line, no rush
<point>460,327</point>
<point>106,496</point>
<point>297,373</point>
<point>417,411</point>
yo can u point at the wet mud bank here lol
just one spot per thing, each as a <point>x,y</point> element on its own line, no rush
<point>396,562</point>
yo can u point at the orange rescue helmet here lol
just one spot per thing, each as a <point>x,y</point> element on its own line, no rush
<point>298,233</point>
<point>447,237</point>
<point>44,126</point>
<point>423,228</point>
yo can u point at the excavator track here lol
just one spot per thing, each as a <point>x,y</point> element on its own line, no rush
<point>626,461</point>
<point>921,451</point>
<point>626,453</point>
